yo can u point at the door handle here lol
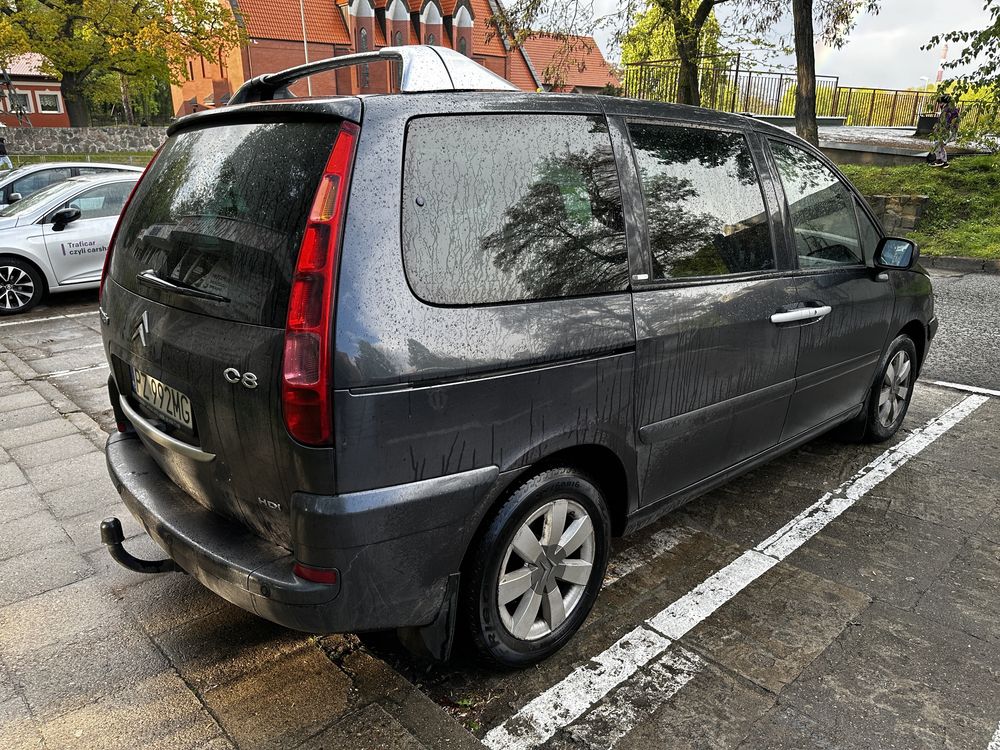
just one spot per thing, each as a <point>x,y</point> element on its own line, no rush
<point>800,314</point>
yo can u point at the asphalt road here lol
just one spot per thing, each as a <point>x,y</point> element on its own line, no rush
<point>967,347</point>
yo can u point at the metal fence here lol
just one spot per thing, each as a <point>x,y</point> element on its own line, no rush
<point>727,86</point>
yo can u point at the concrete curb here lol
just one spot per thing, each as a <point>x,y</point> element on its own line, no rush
<point>963,265</point>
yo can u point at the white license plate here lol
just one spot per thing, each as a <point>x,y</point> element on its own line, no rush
<point>164,400</point>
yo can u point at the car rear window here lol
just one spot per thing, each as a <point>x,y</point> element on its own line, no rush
<point>222,211</point>
<point>502,208</point>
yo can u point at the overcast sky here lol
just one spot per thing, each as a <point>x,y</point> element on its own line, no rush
<point>883,50</point>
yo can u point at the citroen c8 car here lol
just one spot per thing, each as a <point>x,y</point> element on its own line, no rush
<point>409,361</point>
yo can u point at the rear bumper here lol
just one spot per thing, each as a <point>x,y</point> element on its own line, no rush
<point>394,548</point>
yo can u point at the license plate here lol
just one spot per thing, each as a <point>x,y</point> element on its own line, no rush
<point>161,398</point>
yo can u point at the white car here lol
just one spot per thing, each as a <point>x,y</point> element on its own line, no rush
<point>29,179</point>
<point>56,239</point>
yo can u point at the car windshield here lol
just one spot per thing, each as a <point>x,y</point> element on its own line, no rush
<point>32,201</point>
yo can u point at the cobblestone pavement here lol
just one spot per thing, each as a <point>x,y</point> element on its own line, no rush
<point>876,627</point>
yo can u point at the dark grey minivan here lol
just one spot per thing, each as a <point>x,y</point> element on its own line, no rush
<point>408,361</point>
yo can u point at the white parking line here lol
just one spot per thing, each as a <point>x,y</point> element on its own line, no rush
<point>77,371</point>
<point>967,388</point>
<point>568,700</point>
<point>636,699</point>
<point>995,742</point>
<point>42,320</point>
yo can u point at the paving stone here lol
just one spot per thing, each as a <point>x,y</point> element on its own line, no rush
<point>371,728</point>
<point>425,720</point>
<point>21,535</point>
<point>990,530</point>
<point>965,595</point>
<point>164,602</point>
<point>714,710</point>
<point>11,476</point>
<point>26,416</point>
<point>891,557</point>
<point>784,728</point>
<point>18,731</point>
<point>158,713</point>
<point>83,497</point>
<point>775,627</point>
<point>284,703</point>
<point>42,622</point>
<point>69,361</point>
<point>51,451</point>
<point>19,397</point>
<point>35,433</point>
<point>40,570</point>
<point>923,491</point>
<point>226,645</point>
<point>85,528</point>
<point>68,472</point>
<point>897,680</point>
<point>64,677</point>
<point>6,685</point>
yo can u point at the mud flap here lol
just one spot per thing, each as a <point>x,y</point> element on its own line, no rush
<point>434,641</point>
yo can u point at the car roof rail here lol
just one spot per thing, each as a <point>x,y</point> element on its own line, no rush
<point>424,68</point>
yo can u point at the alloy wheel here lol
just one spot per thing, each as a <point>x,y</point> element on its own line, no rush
<point>546,569</point>
<point>895,389</point>
<point>16,288</point>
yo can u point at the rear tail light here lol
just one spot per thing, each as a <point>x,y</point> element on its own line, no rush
<point>305,387</point>
<point>328,576</point>
<point>114,233</point>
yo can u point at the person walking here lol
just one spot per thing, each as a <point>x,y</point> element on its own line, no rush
<point>5,161</point>
<point>946,129</point>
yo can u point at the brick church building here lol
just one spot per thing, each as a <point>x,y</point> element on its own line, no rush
<point>274,30</point>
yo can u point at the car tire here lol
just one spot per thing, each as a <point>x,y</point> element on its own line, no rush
<point>21,286</point>
<point>889,398</point>
<point>544,600</point>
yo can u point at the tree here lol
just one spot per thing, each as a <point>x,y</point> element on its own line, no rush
<point>688,20</point>
<point>981,48</point>
<point>84,40</point>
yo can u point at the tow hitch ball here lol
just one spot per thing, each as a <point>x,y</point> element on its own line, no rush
<point>112,536</point>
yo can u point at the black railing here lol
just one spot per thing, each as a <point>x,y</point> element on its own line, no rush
<point>726,86</point>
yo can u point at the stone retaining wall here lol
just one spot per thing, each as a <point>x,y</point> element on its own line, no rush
<point>899,213</point>
<point>82,140</point>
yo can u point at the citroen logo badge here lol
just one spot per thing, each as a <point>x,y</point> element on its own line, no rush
<point>141,328</point>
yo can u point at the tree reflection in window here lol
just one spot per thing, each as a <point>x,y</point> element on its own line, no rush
<point>704,208</point>
<point>821,207</point>
<point>511,207</point>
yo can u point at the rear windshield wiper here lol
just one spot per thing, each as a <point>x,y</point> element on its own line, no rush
<point>150,278</point>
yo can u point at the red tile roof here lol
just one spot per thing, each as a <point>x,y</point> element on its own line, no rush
<point>266,19</point>
<point>573,61</point>
<point>28,64</point>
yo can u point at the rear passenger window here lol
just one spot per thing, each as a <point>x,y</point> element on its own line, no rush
<point>502,208</point>
<point>822,210</point>
<point>704,207</point>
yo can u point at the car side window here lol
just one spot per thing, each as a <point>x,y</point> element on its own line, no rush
<point>704,207</point>
<point>537,215</point>
<point>102,201</point>
<point>821,210</point>
<point>35,181</point>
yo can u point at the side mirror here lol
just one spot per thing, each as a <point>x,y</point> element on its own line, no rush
<point>895,253</point>
<point>64,216</point>
<point>14,198</point>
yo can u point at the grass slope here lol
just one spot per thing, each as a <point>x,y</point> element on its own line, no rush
<point>963,216</point>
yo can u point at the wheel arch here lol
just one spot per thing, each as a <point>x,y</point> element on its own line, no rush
<point>917,331</point>
<point>42,272</point>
